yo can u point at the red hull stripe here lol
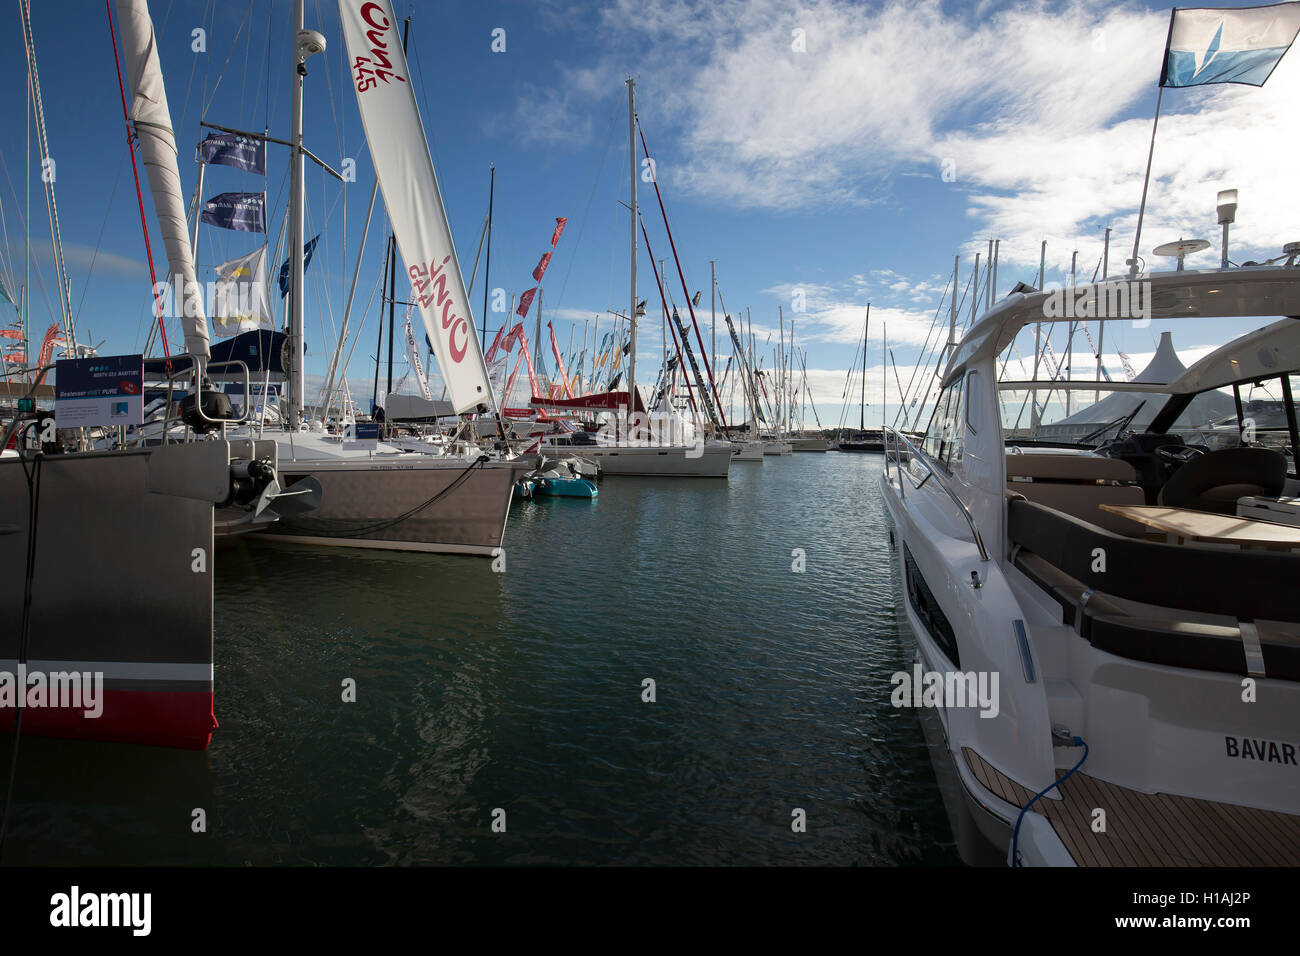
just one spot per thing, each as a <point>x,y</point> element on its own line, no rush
<point>181,719</point>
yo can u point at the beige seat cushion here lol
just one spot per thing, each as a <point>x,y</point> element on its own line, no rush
<point>1071,483</point>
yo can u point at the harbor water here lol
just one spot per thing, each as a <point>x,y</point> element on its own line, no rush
<point>760,607</point>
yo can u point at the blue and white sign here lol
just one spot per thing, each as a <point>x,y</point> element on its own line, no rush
<point>362,436</point>
<point>1209,45</point>
<point>104,390</point>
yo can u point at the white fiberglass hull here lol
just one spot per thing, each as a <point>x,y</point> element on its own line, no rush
<point>747,451</point>
<point>673,461</point>
<point>776,448</point>
<point>809,444</point>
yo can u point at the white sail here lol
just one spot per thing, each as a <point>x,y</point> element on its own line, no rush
<point>410,187</point>
<point>153,127</point>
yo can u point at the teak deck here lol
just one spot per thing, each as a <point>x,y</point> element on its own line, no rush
<point>1152,829</point>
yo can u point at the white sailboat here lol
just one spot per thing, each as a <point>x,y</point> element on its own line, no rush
<point>638,450</point>
<point>384,496</point>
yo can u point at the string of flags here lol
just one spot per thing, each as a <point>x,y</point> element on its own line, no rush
<point>526,300</point>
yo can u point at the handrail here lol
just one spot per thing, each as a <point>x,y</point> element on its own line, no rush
<point>197,372</point>
<point>932,472</point>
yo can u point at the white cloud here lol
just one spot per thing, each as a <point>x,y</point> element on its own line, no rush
<point>1031,103</point>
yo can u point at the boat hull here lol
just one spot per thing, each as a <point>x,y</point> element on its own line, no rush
<point>809,444</point>
<point>652,462</point>
<point>413,503</point>
<point>121,593</point>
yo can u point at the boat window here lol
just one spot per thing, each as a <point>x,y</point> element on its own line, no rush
<point>972,401</point>
<point>934,433</point>
<point>953,432</point>
<point>927,609</point>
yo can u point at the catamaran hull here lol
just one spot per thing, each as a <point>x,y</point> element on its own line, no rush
<point>121,594</point>
<point>416,505</point>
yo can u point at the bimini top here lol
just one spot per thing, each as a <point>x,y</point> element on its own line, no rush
<point>1206,293</point>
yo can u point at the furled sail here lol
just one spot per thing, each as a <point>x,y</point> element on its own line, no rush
<point>410,187</point>
<point>153,127</point>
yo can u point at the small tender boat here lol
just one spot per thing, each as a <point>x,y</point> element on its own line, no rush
<point>560,480</point>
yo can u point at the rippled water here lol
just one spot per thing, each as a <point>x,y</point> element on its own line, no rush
<point>522,691</point>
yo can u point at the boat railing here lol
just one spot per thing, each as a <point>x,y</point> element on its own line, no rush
<point>177,375</point>
<point>901,445</point>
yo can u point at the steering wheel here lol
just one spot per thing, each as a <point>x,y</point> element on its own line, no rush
<point>1180,454</point>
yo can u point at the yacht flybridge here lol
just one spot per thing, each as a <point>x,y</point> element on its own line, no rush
<point>1136,624</point>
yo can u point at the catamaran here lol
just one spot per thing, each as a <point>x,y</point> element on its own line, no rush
<point>1111,570</point>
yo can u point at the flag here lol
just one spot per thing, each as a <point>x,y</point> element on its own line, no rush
<point>240,302</point>
<point>13,356</point>
<point>559,362</point>
<point>307,250</point>
<point>559,230</point>
<point>243,212</point>
<point>231,149</point>
<point>54,338</point>
<point>496,344</point>
<point>541,267</point>
<point>4,294</point>
<point>15,334</point>
<point>526,301</point>
<point>1212,45</point>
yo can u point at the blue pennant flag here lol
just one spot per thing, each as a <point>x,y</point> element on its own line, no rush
<point>229,149</point>
<point>243,212</point>
<point>1209,45</point>
<point>307,250</point>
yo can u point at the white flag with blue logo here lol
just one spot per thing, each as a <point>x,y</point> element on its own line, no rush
<point>1209,45</point>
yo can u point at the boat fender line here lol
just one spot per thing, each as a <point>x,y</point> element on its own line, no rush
<point>1015,836</point>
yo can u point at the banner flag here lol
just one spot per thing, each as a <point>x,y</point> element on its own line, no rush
<point>243,212</point>
<point>1211,45</point>
<point>231,149</point>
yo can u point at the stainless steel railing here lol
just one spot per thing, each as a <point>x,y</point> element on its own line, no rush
<point>899,441</point>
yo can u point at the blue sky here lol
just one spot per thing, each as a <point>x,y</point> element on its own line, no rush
<point>809,160</point>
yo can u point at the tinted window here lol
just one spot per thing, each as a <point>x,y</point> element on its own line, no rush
<point>927,609</point>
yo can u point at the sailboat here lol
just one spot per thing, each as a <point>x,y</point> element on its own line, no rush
<point>642,448</point>
<point>375,494</point>
<point>865,440</point>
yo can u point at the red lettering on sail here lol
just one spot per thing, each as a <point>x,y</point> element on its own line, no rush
<point>458,353</point>
<point>369,70</point>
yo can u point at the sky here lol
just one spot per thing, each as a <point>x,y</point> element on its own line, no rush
<point>826,154</point>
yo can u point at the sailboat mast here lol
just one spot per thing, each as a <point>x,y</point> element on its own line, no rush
<point>862,410</point>
<point>631,160</point>
<point>487,271</point>
<point>297,202</point>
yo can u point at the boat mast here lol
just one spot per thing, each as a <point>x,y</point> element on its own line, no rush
<point>631,160</point>
<point>297,203</point>
<point>862,411</point>
<point>487,271</point>
<point>779,379</point>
